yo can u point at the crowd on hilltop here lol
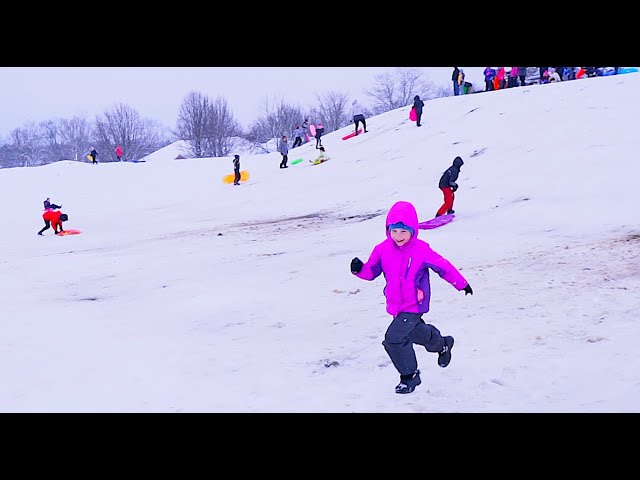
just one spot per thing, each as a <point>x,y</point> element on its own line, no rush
<point>497,78</point>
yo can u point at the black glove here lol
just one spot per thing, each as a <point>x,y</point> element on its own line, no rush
<point>454,187</point>
<point>356,265</point>
<point>467,290</point>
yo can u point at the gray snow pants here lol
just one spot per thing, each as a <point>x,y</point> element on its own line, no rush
<point>405,330</point>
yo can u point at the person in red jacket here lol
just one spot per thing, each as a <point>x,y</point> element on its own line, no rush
<point>55,217</point>
<point>119,153</point>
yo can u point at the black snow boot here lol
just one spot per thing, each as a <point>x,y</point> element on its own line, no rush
<point>444,357</point>
<point>408,383</point>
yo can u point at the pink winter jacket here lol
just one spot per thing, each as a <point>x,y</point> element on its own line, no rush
<point>406,268</point>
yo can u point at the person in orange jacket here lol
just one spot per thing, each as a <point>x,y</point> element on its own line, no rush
<point>55,217</point>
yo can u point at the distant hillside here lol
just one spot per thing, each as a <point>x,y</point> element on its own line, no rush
<point>180,149</point>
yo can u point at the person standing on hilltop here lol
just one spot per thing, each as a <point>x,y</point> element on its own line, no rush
<point>454,79</point>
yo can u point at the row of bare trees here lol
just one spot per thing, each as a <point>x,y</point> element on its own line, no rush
<point>71,139</point>
<point>207,125</point>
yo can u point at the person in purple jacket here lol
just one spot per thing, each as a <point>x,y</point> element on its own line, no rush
<point>405,261</point>
<point>489,75</point>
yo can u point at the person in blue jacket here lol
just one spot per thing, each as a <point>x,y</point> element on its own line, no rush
<point>283,148</point>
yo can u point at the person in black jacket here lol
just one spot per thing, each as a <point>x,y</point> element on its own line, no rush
<point>448,186</point>
<point>454,79</point>
<point>93,155</point>
<point>236,169</point>
<point>319,132</point>
<point>51,206</point>
<point>417,106</point>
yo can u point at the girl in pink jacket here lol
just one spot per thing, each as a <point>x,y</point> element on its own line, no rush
<point>405,262</point>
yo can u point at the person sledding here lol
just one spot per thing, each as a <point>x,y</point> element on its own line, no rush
<point>51,206</point>
<point>321,158</point>
<point>448,186</point>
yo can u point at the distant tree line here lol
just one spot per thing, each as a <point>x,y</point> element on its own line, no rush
<point>207,125</point>
<point>71,139</point>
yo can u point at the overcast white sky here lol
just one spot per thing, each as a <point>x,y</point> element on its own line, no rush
<point>183,294</point>
<point>44,93</point>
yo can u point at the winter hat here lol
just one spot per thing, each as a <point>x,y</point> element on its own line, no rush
<point>236,156</point>
<point>402,226</point>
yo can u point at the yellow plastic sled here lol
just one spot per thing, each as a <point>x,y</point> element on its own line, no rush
<point>244,176</point>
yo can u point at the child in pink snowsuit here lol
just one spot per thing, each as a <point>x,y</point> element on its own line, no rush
<point>405,262</point>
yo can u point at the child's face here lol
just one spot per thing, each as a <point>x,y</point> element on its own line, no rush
<point>400,236</point>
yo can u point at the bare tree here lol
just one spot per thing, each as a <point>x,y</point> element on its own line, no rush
<point>149,137</point>
<point>207,125</point>
<point>123,126</point>
<point>332,110</point>
<point>192,122</point>
<point>383,93</point>
<point>410,83</point>
<point>278,118</point>
<point>391,91</point>
<point>222,129</point>
<point>437,91</point>
<point>261,132</point>
<point>9,156</point>
<point>76,135</point>
<point>29,146</point>
<point>34,145</point>
<point>52,138</point>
